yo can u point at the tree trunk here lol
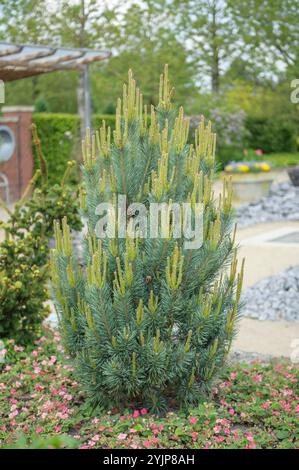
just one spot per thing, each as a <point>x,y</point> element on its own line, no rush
<point>81,104</point>
<point>215,72</point>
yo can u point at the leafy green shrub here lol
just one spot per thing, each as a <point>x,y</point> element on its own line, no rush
<point>41,105</point>
<point>23,288</point>
<point>37,442</point>
<point>272,135</point>
<point>147,320</point>
<point>24,253</point>
<point>60,135</point>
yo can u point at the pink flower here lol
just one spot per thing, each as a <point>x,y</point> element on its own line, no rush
<point>147,444</point>
<point>219,439</point>
<point>13,414</point>
<point>231,411</point>
<point>96,438</point>
<point>13,407</point>
<point>193,420</point>
<point>233,375</point>
<point>122,418</point>
<point>136,414</point>
<point>217,429</point>
<point>265,405</point>
<point>57,428</point>
<point>122,437</point>
<point>34,353</point>
<point>252,445</point>
<point>249,437</point>
<point>39,429</point>
<point>257,378</point>
<point>259,152</point>
<point>143,411</point>
<point>95,421</point>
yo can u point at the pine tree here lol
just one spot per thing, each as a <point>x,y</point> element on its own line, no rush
<point>145,319</point>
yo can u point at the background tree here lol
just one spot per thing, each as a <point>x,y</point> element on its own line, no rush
<point>207,29</point>
<point>271,29</point>
<point>144,42</point>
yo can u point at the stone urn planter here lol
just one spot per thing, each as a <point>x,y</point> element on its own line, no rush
<point>294,175</point>
<point>251,187</point>
<point>251,180</point>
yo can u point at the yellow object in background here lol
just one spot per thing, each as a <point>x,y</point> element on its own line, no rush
<point>244,168</point>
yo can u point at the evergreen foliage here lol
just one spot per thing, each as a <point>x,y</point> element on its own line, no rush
<point>24,252</point>
<point>145,320</point>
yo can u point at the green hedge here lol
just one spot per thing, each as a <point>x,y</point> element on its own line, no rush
<point>272,135</point>
<point>60,139</point>
<point>97,120</point>
<point>59,135</point>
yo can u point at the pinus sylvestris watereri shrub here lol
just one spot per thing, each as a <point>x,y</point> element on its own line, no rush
<point>146,320</point>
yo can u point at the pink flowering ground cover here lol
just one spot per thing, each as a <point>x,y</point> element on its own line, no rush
<point>253,406</point>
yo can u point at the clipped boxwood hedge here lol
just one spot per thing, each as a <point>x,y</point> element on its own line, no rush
<point>59,135</point>
<point>97,120</point>
<point>60,139</point>
<point>272,135</point>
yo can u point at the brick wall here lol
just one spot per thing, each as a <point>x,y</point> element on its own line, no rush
<point>19,168</point>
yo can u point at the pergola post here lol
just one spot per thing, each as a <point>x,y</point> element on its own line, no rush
<point>87,99</point>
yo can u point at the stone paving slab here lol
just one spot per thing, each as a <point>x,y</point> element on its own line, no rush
<point>264,258</point>
<point>270,338</point>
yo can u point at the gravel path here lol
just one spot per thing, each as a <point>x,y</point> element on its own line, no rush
<point>274,298</point>
<point>281,204</point>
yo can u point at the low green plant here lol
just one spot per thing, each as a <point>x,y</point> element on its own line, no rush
<point>24,252</point>
<point>37,442</point>
<point>254,405</point>
<point>148,320</point>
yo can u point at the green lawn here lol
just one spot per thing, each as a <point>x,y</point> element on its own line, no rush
<point>280,160</point>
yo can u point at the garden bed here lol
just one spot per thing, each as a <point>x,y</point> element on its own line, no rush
<point>254,406</point>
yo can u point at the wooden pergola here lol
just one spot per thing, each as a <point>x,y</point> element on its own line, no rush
<point>19,61</point>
